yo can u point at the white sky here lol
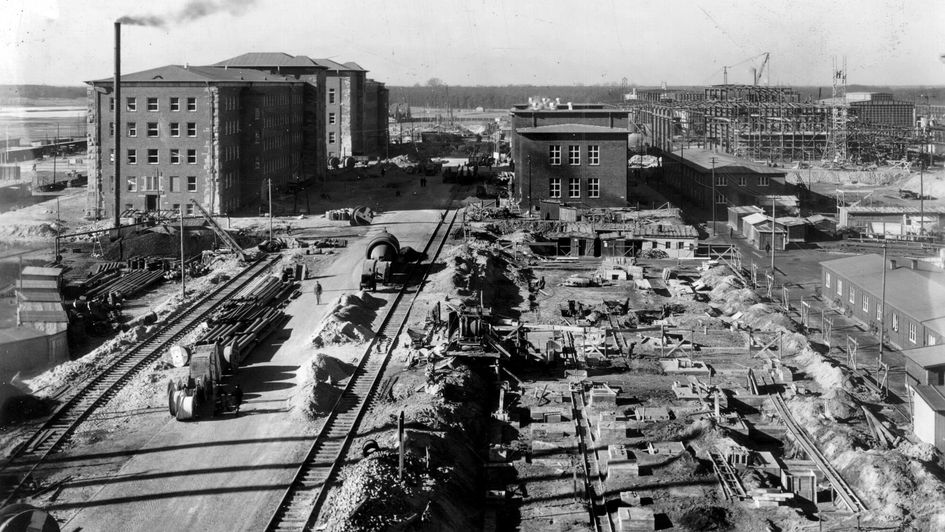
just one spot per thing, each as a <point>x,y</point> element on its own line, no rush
<point>489,42</point>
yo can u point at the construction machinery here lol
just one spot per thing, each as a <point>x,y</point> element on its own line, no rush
<point>217,230</point>
<point>201,393</point>
<point>381,255</point>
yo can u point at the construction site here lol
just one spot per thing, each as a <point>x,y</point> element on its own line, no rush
<point>714,308</point>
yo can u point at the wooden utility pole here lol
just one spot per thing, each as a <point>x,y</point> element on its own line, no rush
<point>116,90</point>
<point>269,182</point>
<point>882,308</point>
<point>182,282</point>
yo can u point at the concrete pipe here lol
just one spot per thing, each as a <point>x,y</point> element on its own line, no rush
<point>384,247</point>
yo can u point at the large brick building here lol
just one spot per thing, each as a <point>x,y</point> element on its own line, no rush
<point>575,154</point>
<point>206,133</point>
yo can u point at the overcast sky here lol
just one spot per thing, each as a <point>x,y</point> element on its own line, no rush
<point>489,42</point>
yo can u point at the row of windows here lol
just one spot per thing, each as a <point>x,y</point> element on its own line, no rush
<point>894,316</point>
<point>153,156</point>
<point>331,95</point>
<point>722,181</point>
<point>153,104</point>
<point>189,208</point>
<point>152,129</point>
<point>151,183</point>
<point>574,187</point>
<point>574,155</point>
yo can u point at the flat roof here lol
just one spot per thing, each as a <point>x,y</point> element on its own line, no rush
<point>572,128</point>
<point>891,209</point>
<point>724,164</point>
<point>45,272</point>
<point>927,357</point>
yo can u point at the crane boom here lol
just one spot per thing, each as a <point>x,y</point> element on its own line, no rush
<point>224,236</point>
<point>762,67</point>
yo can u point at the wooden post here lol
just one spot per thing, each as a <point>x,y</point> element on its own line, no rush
<point>400,439</point>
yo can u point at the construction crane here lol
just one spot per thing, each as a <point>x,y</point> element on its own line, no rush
<point>224,236</point>
<point>756,72</point>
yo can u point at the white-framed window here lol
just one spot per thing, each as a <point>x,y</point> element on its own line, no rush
<point>895,322</point>
<point>574,155</point>
<point>152,129</point>
<point>879,310</point>
<point>153,157</point>
<point>175,129</point>
<point>839,287</point>
<point>174,183</point>
<point>132,129</point>
<point>331,118</point>
<point>176,207</point>
<point>190,209</point>
<point>191,183</point>
<point>763,181</point>
<point>866,304</point>
<point>913,332</point>
<point>331,137</point>
<point>720,199</point>
<point>554,154</point>
<point>149,183</point>
<point>175,156</point>
<point>932,339</point>
<point>593,154</point>
<point>593,187</point>
<point>742,181</point>
<point>191,129</point>
<point>132,156</point>
<point>554,187</point>
<point>191,104</point>
<point>131,104</point>
<point>191,156</point>
<point>852,295</point>
<point>153,104</point>
<point>175,103</point>
<point>331,95</point>
<point>827,279</point>
<point>720,181</point>
<point>574,187</point>
<point>132,182</point>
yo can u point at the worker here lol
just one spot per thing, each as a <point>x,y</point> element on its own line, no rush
<point>237,398</point>
<point>768,249</point>
<point>318,293</point>
<point>731,232</point>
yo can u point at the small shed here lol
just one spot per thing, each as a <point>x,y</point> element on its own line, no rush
<point>737,214</point>
<point>925,365</point>
<point>795,227</point>
<point>763,236</point>
<point>29,349</point>
<point>928,414</point>
<point>38,273</point>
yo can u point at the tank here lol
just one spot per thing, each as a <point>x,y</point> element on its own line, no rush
<point>384,247</point>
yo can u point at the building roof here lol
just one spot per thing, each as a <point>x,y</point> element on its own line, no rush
<point>43,272</point>
<point>38,284</point>
<point>932,395</point>
<point>746,209</point>
<point>18,334</point>
<point>919,293</point>
<point>268,59</point>
<point>335,65</point>
<point>701,160</point>
<point>756,218</point>
<point>196,74</point>
<point>790,221</point>
<point>572,129</point>
<point>891,209</point>
<point>38,295</point>
<point>354,66</point>
<point>927,357</point>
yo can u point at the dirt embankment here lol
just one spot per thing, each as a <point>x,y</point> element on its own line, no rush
<point>901,485</point>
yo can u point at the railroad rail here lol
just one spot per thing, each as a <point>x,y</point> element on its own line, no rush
<point>847,495</point>
<point>302,501</point>
<point>593,477</point>
<point>96,391</point>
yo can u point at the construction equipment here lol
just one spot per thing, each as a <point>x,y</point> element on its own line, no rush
<point>217,230</point>
<point>200,395</point>
<point>381,254</point>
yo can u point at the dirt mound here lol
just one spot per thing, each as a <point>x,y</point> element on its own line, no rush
<point>349,320</point>
<point>329,369</point>
<point>16,406</point>
<point>29,231</point>
<point>706,518</point>
<point>160,243</point>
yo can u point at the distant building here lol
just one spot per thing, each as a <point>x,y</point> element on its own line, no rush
<point>878,109</point>
<point>915,296</point>
<point>213,134</point>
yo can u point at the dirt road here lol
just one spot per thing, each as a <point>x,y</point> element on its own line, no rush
<point>229,473</point>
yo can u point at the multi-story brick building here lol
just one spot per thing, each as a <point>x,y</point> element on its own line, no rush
<point>212,134</point>
<point>575,164</point>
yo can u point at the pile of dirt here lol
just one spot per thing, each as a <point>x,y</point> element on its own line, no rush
<point>313,399</point>
<point>349,320</point>
<point>325,368</point>
<point>17,405</point>
<point>158,243</point>
<point>28,232</point>
<point>706,518</point>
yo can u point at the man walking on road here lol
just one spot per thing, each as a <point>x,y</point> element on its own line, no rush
<point>237,398</point>
<point>318,293</point>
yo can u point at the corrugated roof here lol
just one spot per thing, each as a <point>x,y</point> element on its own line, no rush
<point>918,293</point>
<point>932,395</point>
<point>572,128</point>
<point>196,74</point>
<point>38,295</point>
<point>38,284</point>
<point>268,59</point>
<point>927,357</point>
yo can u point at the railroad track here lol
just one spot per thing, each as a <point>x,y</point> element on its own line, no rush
<point>593,477</point>
<point>301,503</point>
<point>96,391</point>
<point>847,495</point>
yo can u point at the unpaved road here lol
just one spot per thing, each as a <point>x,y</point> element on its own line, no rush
<point>229,473</point>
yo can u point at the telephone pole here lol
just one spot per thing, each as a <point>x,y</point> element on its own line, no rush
<point>713,160</point>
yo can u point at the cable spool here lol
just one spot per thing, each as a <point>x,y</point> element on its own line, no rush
<point>171,397</point>
<point>26,518</point>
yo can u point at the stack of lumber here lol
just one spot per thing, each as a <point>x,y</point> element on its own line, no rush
<point>127,285</point>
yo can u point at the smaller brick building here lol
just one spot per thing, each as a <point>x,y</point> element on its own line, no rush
<point>575,164</point>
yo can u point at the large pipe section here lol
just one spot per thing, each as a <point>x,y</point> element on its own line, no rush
<point>118,129</point>
<point>384,246</point>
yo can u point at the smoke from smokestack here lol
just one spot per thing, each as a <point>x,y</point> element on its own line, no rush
<point>193,10</point>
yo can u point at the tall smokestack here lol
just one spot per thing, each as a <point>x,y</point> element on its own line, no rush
<point>118,129</point>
